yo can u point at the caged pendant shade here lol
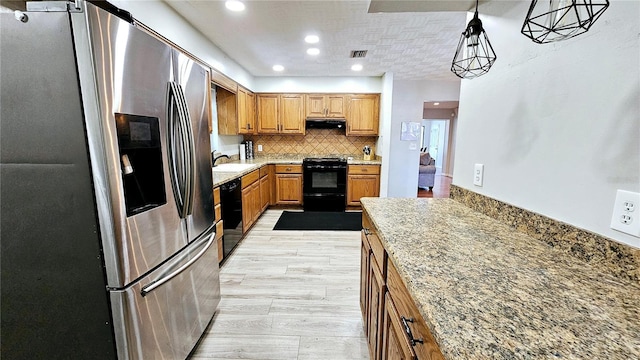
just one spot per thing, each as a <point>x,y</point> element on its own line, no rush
<point>554,20</point>
<point>474,55</point>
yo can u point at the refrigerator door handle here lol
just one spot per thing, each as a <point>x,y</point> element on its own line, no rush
<point>177,174</point>
<point>159,282</point>
<point>190,151</point>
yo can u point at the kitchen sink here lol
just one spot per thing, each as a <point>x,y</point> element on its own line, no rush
<point>232,167</point>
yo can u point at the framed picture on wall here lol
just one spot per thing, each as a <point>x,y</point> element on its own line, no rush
<point>410,131</point>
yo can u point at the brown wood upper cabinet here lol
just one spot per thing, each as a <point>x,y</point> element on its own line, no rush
<point>246,111</point>
<point>280,113</point>
<point>236,111</point>
<point>227,109</point>
<point>363,113</point>
<point>325,106</point>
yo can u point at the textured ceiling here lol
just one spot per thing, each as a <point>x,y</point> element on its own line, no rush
<point>413,46</point>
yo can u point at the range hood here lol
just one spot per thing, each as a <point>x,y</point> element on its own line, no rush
<point>326,123</point>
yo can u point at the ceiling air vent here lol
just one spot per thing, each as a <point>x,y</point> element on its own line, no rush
<point>358,53</point>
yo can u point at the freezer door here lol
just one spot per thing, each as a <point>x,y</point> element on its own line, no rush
<point>193,79</point>
<point>132,70</point>
<point>163,315</point>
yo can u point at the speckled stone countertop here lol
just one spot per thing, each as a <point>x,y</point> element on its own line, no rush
<point>487,291</point>
<point>220,177</point>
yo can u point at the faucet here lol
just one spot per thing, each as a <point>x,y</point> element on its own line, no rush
<point>215,158</point>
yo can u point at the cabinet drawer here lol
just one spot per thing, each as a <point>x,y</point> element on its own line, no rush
<point>264,171</point>
<point>216,196</point>
<point>288,169</point>
<point>374,243</point>
<point>364,169</point>
<point>219,230</point>
<point>250,178</point>
<point>408,312</point>
<point>217,210</point>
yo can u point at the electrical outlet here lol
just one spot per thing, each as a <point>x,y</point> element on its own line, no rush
<point>259,147</point>
<point>478,174</point>
<point>624,217</point>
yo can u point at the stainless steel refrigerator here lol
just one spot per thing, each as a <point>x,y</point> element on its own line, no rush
<point>108,237</point>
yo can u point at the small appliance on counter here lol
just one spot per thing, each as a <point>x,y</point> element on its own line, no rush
<point>248,149</point>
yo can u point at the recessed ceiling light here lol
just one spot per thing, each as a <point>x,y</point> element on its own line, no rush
<point>311,39</point>
<point>313,51</point>
<point>356,67</point>
<point>436,103</point>
<point>234,5</point>
<point>278,68</point>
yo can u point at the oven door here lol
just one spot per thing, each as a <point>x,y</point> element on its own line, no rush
<point>324,179</point>
<point>324,187</point>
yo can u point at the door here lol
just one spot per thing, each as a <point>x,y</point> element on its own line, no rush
<point>434,139</point>
<point>362,115</point>
<point>360,186</point>
<point>395,345</point>
<point>335,106</point>
<point>163,315</point>
<point>289,189</point>
<point>265,192</point>
<point>376,303</point>
<point>194,80</point>
<point>134,72</point>
<point>292,114</point>
<point>268,111</point>
<point>315,107</point>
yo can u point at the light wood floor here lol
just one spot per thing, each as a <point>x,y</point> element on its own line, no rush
<point>441,187</point>
<point>289,295</point>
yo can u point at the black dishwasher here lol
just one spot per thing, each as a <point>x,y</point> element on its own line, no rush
<point>231,199</point>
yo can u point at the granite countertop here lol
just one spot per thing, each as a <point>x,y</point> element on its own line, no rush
<point>487,291</point>
<point>220,177</point>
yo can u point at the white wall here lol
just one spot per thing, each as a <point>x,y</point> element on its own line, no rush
<point>383,145</point>
<point>162,18</point>
<point>337,84</point>
<point>557,126</point>
<point>407,105</point>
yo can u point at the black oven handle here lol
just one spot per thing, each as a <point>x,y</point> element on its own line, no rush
<point>325,167</point>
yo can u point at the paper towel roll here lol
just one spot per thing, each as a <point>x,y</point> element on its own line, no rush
<point>243,154</point>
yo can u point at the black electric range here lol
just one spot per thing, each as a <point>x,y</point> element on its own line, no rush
<point>325,184</point>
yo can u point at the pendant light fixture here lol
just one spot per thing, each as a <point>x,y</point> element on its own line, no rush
<point>554,20</point>
<point>474,56</point>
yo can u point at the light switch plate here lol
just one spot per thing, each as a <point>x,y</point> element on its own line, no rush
<point>626,215</point>
<point>478,174</point>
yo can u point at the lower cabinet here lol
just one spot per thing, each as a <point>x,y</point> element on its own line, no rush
<point>265,189</point>
<point>393,325</point>
<point>362,181</point>
<point>372,287</point>
<point>288,184</point>
<point>218,219</point>
<point>252,205</point>
<point>394,343</point>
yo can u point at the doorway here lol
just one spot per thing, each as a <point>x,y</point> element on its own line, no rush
<point>435,141</point>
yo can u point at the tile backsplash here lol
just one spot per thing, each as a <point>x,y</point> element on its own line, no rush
<point>316,141</point>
